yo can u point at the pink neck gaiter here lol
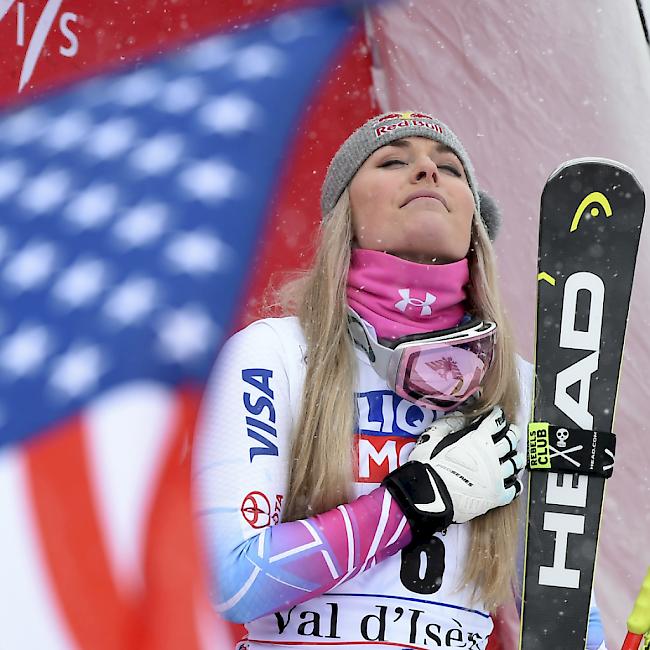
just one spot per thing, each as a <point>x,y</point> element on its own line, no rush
<point>398,297</point>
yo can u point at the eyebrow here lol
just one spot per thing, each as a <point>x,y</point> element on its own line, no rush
<point>405,144</point>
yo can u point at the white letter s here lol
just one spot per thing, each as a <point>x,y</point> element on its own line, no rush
<point>73,48</point>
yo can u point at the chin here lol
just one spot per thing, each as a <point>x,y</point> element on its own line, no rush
<point>423,258</point>
<point>430,248</point>
<point>431,255</point>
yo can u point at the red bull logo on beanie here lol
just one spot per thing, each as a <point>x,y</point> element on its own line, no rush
<point>392,116</point>
<point>406,120</point>
<point>405,116</point>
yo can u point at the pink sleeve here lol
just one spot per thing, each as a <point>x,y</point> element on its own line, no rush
<point>292,562</point>
<point>241,459</point>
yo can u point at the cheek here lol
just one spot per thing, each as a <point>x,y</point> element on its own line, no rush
<point>368,204</point>
<point>366,194</point>
<point>467,211</point>
<point>370,231</point>
<point>464,227</point>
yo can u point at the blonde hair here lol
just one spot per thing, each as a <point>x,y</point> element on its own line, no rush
<point>321,473</point>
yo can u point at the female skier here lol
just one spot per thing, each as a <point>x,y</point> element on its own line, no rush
<point>356,462</point>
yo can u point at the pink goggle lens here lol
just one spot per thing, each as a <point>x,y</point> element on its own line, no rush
<point>442,377</point>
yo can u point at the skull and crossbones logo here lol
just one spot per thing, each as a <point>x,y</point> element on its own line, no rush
<point>562,436</point>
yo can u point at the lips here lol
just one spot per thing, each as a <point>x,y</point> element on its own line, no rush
<point>425,194</point>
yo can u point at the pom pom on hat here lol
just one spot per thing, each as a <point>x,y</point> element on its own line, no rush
<point>490,214</point>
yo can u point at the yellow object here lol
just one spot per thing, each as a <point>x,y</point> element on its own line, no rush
<point>639,621</point>
<point>594,197</point>
<point>538,446</point>
<point>545,276</point>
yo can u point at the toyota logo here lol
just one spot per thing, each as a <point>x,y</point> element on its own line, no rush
<point>256,509</point>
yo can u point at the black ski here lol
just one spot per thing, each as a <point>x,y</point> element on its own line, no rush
<point>590,223</point>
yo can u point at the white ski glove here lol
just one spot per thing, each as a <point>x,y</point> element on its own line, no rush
<point>458,471</point>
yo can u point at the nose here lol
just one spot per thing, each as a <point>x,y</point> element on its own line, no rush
<point>425,168</point>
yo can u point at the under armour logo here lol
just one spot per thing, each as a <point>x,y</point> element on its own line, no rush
<point>425,305</point>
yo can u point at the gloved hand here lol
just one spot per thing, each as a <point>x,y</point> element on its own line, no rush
<point>458,471</point>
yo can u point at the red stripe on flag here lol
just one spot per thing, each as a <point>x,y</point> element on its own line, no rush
<point>176,587</point>
<point>172,574</point>
<point>71,539</point>
<point>340,104</point>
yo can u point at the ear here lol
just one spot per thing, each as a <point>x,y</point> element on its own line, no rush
<point>490,214</point>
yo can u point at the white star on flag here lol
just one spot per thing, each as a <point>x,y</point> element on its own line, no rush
<point>185,333</point>
<point>259,61</point>
<point>12,173</point>
<point>158,155</point>
<point>77,371</point>
<point>131,301</point>
<point>68,130</point>
<point>288,27</point>
<point>24,126</point>
<point>142,224</point>
<point>45,192</point>
<point>138,88</point>
<point>81,283</point>
<point>197,252</point>
<point>111,138</point>
<point>210,53</point>
<point>181,95</point>
<point>93,207</point>
<point>24,351</point>
<point>210,180</point>
<point>230,114</point>
<point>31,266</point>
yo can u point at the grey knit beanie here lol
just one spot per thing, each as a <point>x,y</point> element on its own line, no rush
<point>380,131</point>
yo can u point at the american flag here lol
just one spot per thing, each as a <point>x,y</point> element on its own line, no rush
<point>132,206</point>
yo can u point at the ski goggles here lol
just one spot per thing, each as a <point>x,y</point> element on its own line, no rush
<point>437,370</point>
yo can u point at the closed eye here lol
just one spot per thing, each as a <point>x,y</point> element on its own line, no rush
<point>388,163</point>
<point>451,168</point>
